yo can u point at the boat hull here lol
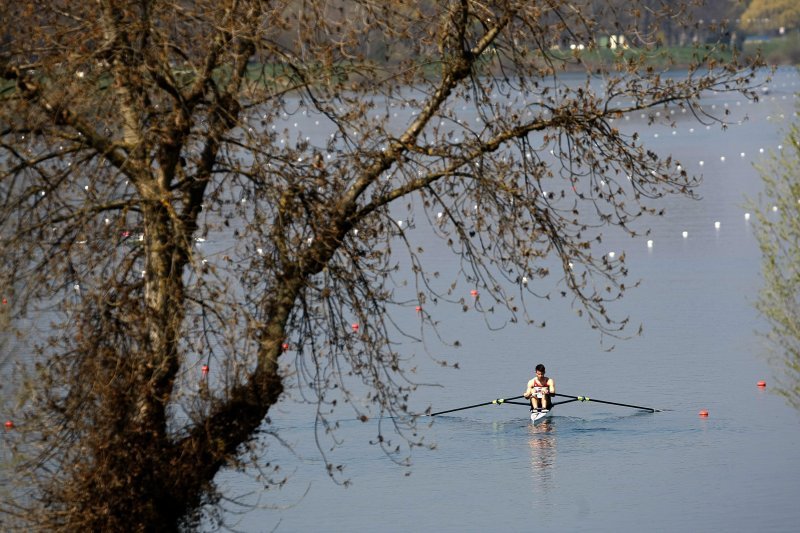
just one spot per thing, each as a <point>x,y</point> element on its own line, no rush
<point>538,416</point>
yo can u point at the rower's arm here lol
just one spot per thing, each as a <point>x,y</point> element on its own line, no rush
<point>529,390</point>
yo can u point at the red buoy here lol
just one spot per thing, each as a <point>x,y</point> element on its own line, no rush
<point>9,424</point>
<point>474,293</point>
<point>205,370</point>
<point>703,413</point>
<point>355,327</point>
<point>419,309</point>
<point>285,346</point>
<point>762,383</point>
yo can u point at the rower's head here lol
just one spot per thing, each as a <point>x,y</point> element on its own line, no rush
<point>540,370</point>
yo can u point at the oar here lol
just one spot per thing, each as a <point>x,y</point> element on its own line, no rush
<point>497,401</point>
<point>563,402</point>
<point>587,399</point>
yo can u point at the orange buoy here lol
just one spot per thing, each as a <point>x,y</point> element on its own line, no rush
<point>762,383</point>
<point>703,413</point>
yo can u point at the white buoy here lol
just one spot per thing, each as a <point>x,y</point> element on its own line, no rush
<point>685,234</point>
<point>650,243</point>
<point>716,224</point>
<point>747,216</point>
<point>611,255</point>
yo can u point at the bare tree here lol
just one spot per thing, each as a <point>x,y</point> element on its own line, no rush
<point>132,132</point>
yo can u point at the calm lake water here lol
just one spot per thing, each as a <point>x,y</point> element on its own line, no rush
<point>592,467</point>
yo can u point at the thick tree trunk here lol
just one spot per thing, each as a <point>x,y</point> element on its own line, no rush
<point>165,261</point>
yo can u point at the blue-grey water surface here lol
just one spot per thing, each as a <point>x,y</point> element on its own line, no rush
<point>592,467</point>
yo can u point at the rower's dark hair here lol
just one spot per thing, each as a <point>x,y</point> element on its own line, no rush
<point>540,368</point>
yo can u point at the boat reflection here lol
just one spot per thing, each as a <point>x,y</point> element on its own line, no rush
<point>542,443</point>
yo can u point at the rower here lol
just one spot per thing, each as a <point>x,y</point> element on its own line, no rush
<point>540,390</point>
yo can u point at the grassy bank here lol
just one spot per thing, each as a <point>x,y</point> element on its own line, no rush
<point>783,50</point>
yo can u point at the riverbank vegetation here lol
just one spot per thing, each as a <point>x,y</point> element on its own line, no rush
<point>780,50</point>
<point>777,212</point>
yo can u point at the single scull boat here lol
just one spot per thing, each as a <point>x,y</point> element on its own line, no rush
<point>538,416</point>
